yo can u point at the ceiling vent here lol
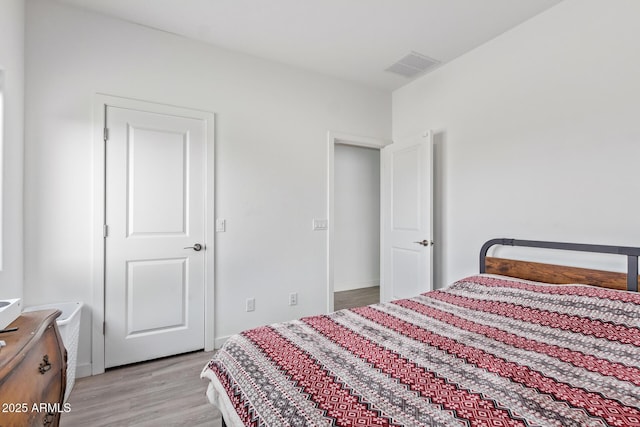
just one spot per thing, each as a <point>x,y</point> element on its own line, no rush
<point>412,65</point>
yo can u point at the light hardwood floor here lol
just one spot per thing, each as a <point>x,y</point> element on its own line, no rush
<point>356,298</point>
<point>163,392</point>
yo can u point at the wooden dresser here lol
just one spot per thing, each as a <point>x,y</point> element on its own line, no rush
<point>33,370</point>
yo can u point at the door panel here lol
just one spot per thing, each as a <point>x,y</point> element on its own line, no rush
<point>154,283</point>
<point>407,183</point>
<point>406,268</point>
<point>149,311</point>
<point>405,191</point>
<point>168,172</point>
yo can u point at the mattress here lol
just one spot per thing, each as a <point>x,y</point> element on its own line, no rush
<point>486,351</point>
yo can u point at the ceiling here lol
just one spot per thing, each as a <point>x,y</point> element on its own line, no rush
<point>354,40</point>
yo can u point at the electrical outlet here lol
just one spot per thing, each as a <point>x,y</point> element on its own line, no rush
<point>320,224</point>
<point>293,298</point>
<point>251,304</point>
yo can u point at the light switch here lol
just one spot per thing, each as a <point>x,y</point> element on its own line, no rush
<point>320,224</point>
<point>221,225</point>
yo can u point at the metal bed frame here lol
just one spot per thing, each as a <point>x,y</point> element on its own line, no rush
<point>631,253</point>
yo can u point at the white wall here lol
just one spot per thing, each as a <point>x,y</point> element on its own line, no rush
<point>12,28</point>
<point>356,217</point>
<point>271,127</point>
<point>538,133</point>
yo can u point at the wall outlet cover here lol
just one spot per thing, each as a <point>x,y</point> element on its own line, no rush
<point>320,224</point>
<point>293,298</point>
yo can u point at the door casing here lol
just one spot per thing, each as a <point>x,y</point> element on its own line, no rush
<point>334,138</point>
<point>101,101</point>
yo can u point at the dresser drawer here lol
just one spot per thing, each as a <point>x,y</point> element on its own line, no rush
<point>32,390</point>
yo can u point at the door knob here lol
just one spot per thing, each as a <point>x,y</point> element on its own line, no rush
<point>196,247</point>
<point>424,243</point>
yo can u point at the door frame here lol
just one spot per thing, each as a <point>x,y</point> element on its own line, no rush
<point>334,138</point>
<point>101,102</point>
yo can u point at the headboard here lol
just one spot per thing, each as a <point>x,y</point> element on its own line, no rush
<point>559,274</point>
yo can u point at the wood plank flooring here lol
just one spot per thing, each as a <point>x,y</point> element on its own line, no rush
<point>356,298</point>
<point>164,392</point>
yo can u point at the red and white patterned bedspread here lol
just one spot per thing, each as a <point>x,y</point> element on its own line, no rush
<point>487,351</point>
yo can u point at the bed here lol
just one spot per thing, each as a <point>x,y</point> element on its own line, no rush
<point>506,347</point>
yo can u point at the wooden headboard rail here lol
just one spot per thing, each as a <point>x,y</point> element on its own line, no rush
<point>561,274</point>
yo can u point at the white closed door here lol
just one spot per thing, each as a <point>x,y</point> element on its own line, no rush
<point>407,223</point>
<point>155,204</point>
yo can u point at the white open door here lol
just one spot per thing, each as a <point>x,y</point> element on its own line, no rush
<point>407,217</point>
<point>154,249</point>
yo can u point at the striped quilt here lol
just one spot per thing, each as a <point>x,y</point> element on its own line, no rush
<point>487,351</point>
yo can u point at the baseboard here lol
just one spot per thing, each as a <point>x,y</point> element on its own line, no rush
<point>350,286</point>
<point>83,370</point>
<point>219,342</point>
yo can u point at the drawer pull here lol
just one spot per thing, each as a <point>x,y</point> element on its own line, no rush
<point>48,419</point>
<point>44,365</point>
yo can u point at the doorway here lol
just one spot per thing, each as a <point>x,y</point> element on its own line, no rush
<point>405,208</point>
<point>357,226</point>
<point>154,196</point>
<point>353,268</point>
